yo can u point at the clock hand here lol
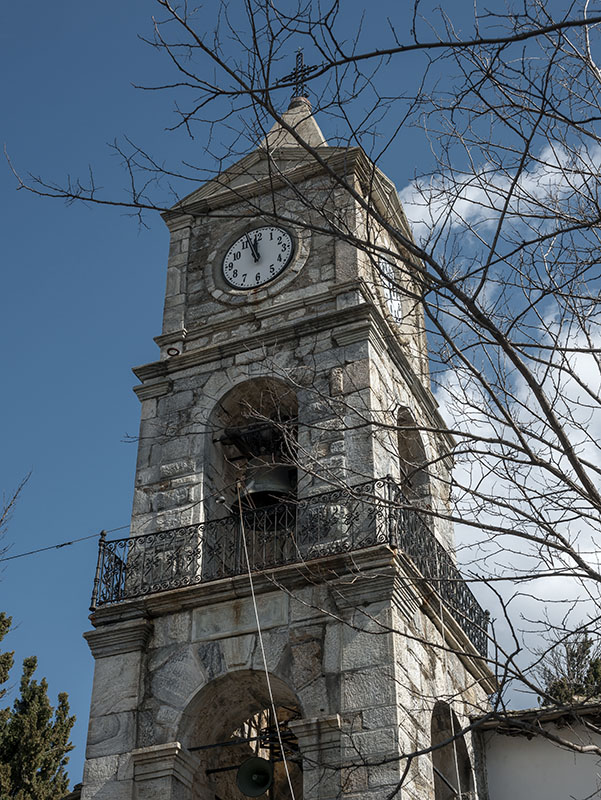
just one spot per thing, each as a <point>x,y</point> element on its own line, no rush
<point>253,247</point>
<point>256,246</point>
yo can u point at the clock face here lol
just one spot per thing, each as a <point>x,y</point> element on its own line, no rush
<point>392,295</point>
<point>257,257</point>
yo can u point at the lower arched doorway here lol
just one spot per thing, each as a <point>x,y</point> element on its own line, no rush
<point>233,719</point>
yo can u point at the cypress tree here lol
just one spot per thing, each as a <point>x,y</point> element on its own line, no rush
<point>34,737</point>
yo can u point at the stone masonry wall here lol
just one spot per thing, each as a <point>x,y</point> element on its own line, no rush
<point>357,665</point>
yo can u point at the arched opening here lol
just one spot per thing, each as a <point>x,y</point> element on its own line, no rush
<point>413,461</point>
<point>251,478</point>
<point>450,760</point>
<point>252,446</point>
<point>232,720</point>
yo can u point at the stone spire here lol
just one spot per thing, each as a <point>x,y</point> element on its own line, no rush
<point>298,116</point>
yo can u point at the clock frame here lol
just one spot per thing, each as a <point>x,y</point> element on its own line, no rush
<point>257,257</point>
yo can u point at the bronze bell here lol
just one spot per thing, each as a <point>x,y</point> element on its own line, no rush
<point>267,484</point>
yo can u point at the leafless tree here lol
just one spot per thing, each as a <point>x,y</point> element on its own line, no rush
<point>501,249</point>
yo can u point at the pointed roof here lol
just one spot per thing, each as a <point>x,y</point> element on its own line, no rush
<point>300,118</point>
<point>279,147</point>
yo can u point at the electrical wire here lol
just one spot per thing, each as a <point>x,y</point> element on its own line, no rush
<point>58,546</point>
<point>260,637</point>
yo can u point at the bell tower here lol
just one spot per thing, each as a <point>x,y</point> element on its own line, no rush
<point>286,618</point>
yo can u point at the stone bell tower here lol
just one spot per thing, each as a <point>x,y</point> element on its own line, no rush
<point>287,591</point>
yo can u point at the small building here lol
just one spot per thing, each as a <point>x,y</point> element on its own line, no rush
<point>542,754</point>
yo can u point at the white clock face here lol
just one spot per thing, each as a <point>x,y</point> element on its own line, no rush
<point>392,295</point>
<point>257,257</point>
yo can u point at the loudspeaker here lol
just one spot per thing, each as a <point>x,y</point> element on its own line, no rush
<point>255,776</point>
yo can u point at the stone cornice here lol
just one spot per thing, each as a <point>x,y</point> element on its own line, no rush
<point>367,323</point>
<point>291,578</point>
<point>122,637</point>
<point>191,358</point>
<point>169,760</point>
<point>218,194</point>
<point>150,390</point>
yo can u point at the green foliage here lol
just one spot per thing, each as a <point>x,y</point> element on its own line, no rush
<point>34,737</point>
<point>6,659</point>
<point>571,669</point>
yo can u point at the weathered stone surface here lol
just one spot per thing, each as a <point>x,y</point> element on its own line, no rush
<point>174,628</point>
<point>175,672</point>
<point>108,790</point>
<point>238,616</point>
<point>367,688</point>
<point>365,648</point>
<point>116,684</point>
<point>211,657</point>
<point>111,734</point>
<point>101,770</point>
<point>237,650</point>
<point>323,330</point>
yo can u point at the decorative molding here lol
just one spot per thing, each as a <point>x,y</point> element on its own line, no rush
<point>151,390</point>
<point>169,760</point>
<point>171,338</point>
<point>119,637</point>
<point>323,322</point>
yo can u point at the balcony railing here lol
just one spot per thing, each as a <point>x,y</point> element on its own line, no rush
<point>330,523</point>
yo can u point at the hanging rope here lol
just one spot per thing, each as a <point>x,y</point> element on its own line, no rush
<point>260,637</point>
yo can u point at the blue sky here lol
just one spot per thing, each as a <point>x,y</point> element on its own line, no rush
<point>81,300</point>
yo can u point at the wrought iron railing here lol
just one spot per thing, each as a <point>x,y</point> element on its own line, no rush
<point>330,523</point>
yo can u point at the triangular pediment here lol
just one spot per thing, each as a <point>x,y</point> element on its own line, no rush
<point>278,153</point>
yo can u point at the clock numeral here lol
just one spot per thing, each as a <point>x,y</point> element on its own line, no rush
<point>280,257</point>
<point>235,273</point>
<point>271,269</point>
<point>259,235</point>
<point>257,277</point>
<point>237,255</point>
<point>230,265</point>
<point>244,244</point>
<point>244,277</point>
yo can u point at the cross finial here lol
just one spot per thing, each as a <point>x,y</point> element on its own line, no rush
<point>298,76</point>
<point>300,70</point>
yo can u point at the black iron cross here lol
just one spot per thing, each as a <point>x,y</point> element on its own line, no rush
<point>299,74</point>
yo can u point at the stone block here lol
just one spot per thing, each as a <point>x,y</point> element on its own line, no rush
<point>276,652</point>
<point>369,744</point>
<point>100,770</point>
<point>307,604</point>
<point>383,775</point>
<point>238,616</point>
<point>332,648</point>
<point>162,501</point>
<point>367,688</point>
<point>116,682</point>
<point>174,468</point>
<point>306,663</point>
<point>112,790</point>
<point>149,409</point>
<point>382,717</point>
<point>175,672</point>
<point>173,628</point>
<point>364,649</point>
<point>238,650</point>
<point>111,734</point>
